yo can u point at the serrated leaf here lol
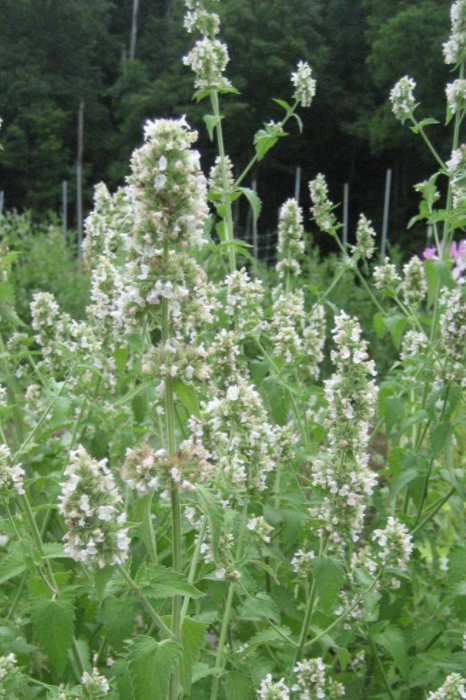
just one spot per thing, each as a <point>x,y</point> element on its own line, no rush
<point>192,641</point>
<point>212,507</point>
<point>439,435</point>
<point>393,641</point>
<point>394,409</point>
<point>161,582</point>
<point>254,200</point>
<point>211,122</point>
<point>329,576</point>
<point>379,325</point>
<point>54,550</point>
<point>12,564</point>
<point>101,578</point>
<point>238,686</point>
<point>142,513</point>
<point>188,397</point>
<point>53,624</point>
<point>120,670</point>
<point>263,143</point>
<point>118,619</point>
<point>266,637</point>
<point>260,607</point>
<point>151,664</point>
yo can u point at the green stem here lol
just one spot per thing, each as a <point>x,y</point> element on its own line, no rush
<point>381,669</point>
<point>153,614</point>
<point>194,561</point>
<point>177,562</point>
<point>219,661</point>
<point>36,536</point>
<point>259,154</point>
<point>229,234</point>
<point>332,286</point>
<point>425,490</point>
<point>428,143</point>
<point>306,623</point>
<point>436,507</point>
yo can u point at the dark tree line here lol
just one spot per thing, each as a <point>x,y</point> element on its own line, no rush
<point>55,53</point>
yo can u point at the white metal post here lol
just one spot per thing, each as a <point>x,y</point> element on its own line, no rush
<point>386,207</point>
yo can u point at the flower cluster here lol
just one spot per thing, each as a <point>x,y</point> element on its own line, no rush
<point>11,478</point>
<point>215,177</point>
<point>96,685</point>
<point>344,474</point>
<point>146,471</point>
<point>457,163</point>
<point>454,688</point>
<point>365,235</point>
<point>395,544</point>
<point>208,59</point>
<point>322,206</point>
<point>414,286</point>
<point>273,691</point>
<point>91,504</point>
<point>453,333</point>
<point>297,334</point>
<point>414,343</point>
<point>167,188</point>
<point>106,225</point>
<point>12,681</point>
<point>175,359</point>
<point>290,239</point>
<point>223,355</point>
<point>402,98</point>
<point>260,527</point>
<point>304,83</point>
<point>235,431</point>
<point>244,302</point>
<point>3,397</point>
<point>386,278</point>
<point>313,682</point>
<point>454,49</point>
<point>456,96</point>
<point>301,563</point>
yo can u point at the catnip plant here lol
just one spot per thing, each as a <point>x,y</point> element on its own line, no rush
<point>191,504</point>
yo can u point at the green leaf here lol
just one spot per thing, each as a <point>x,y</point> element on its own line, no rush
<point>12,564</point>
<point>101,578</point>
<point>192,641</point>
<point>329,576</point>
<point>150,666</point>
<point>212,507</point>
<point>379,325</point>
<point>118,620</point>
<point>142,513</point>
<point>188,397</point>
<point>160,582</point>
<point>211,122</point>
<point>425,122</point>
<point>254,200</point>
<point>54,550</point>
<point>439,435</point>
<point>266,637</point>
<point>288,109</point>
<point>394,409</point>
<point>238,686</point>
<point>437,276</point>
<point>260,607</point>
<point>53,624</point>
<point>393,641</point>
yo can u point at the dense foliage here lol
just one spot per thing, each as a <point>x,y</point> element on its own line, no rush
<point>55,54</point>
<point>212,485</point>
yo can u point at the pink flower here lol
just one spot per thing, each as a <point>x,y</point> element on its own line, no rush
<point>430,253</point>
<point>458,250</point>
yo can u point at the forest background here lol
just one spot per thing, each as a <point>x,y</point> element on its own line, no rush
<point>56,53</point>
